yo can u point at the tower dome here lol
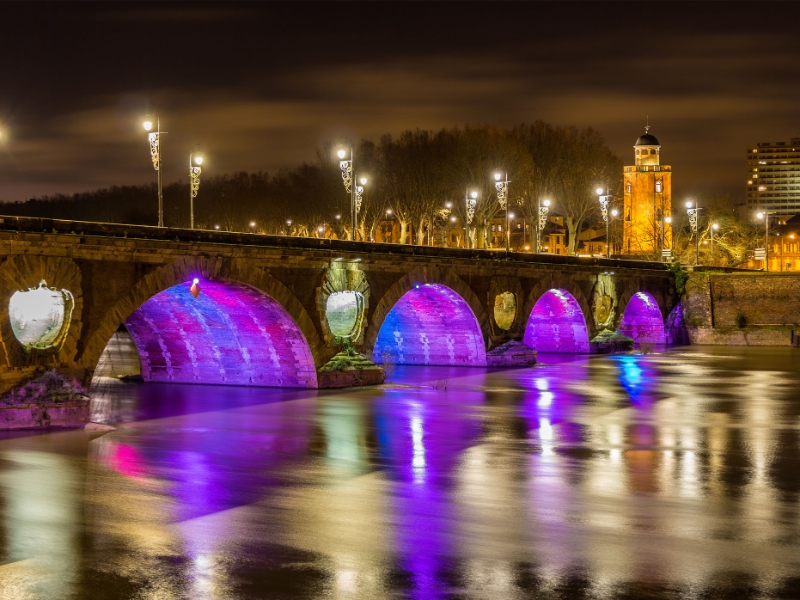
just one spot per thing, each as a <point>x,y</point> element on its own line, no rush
<point>647,140</point>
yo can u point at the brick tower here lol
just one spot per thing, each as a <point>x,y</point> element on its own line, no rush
<point>647,207</point>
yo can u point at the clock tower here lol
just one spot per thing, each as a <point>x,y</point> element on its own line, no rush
<point>647,204</point>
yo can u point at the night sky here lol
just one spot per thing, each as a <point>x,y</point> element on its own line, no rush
<point>261,86</point>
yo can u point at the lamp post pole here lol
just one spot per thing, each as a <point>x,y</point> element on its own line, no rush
<point>714,227</point>
<point>195,160</point>
<point>471,200</point>
<point>765,215</point>
<point>544,208</point>
<point>154,137</point>
<point>694,214</point>
<point>604,200</point>
<point>346,167</point>
<point>501,187</point>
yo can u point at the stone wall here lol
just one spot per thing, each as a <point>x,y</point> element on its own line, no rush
<point>743,309</point>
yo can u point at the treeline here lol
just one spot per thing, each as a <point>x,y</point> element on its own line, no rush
<point>414,174</point>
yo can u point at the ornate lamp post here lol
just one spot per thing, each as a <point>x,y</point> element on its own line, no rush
<point>356,191</point>
<point>544,208</point>
<point>604,200</point>
<point>694,213</point>
<point>765,215</point>
<point>472,201</point>
<point>195,160</point>
<point>501,186</point>
<point>155,154</point>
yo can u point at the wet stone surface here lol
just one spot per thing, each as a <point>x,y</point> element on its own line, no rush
<point>671,475</point>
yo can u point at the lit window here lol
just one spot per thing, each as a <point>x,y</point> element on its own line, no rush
<point>629,187</point>
<point>658,186</point>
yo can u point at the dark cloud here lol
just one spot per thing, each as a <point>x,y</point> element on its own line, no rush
<point>260,86</point>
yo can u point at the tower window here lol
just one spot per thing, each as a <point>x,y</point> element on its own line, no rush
<point>658,186</point>
<point>629,187</point>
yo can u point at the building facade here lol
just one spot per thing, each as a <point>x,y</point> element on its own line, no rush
<point>773,177</point>
<point>647,200</point>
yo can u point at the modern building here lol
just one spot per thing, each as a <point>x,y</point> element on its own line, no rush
<point>773,177</point>
<point>647,200</point>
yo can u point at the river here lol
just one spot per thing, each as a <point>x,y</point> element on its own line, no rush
<point>668,475</point>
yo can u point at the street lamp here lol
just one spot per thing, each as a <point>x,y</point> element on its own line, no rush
<point>694,213</point>
<point>544,208</point>
<point>765,215</point>
<point>154,138</point>
<point>472,201</point>
<point>604,200</point>
<point>195,160</point>
<point>355,191</point>
<point>501,186</point>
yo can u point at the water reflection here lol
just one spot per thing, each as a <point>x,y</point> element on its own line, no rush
<point>661,475</point>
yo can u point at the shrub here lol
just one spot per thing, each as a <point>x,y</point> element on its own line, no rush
<point>741,320</point>
<point>49,387</point>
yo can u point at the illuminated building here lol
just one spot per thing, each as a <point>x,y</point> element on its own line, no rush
<point>647,200</point>
<point>773,177</point>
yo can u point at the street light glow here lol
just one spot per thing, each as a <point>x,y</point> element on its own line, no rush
<point>363,181</point>
<point>338,217</point>
<point>599,191</point>
<point>715,226</point>
<point>252,223</point>
<point>216,226</point>
<point>760,215</point>
<point>546,202</point>
<point>614,212</point>
<point>448,205</point>
<point>198,160</point>
<point>497,176</point>
<point>388,211</point>
<point>668,220</point>
<point>148,125</point>
<point>688,204</point>
<point>511,216</point>
<point>453,219</point>
<point>473,194</point>
<point>341,153</point>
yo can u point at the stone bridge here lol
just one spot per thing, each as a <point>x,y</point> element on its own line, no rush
<point>243,309</point>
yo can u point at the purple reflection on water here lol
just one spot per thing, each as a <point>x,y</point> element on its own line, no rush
<point>642,320</point>
<point>430,325</point>
<point>675,328</point>
<point>421,442</point>
<point>557,324</point>
<point>231,334</point>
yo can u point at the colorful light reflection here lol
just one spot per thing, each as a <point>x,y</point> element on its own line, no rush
<point>430,325</point>
<point>231,334</point>
<point>557,324</point>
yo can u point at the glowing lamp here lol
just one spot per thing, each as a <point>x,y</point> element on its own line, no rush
<point>388,211</point>
<point>473,194</point>
<point>760,215</point>
<point>688,204</point>
<point>791,236</point>
<point>453,219</point>
<point>614,212</point>
<point>338,216</point>
<point>497,176</point>
<point>148,125</point>
<point>715,226</point>
<point>216,226</point>
<point>363,181</point>
<point>252,223</point>
<point>198,160</point>
<point>527,247</point>
<point>448,205</point>
<point>668,220</point>
<point>195,289</point>
<point>546,202</point>
<point>288,221</point>
<point>320,229</point>
<point>341,153</point>
<point>599,191</point>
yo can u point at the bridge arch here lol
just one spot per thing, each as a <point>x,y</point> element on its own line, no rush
<point>268,309</point>
<point>429,317</point>
<point>643,320</point>
<point>557,324</point>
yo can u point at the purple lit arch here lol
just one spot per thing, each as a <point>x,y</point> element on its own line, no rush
<point>642,320</point>
<point>557,324</point>
<point>231,334</point>
<point>430,325</point>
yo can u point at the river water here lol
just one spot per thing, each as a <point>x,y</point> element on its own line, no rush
<point>670,475</point>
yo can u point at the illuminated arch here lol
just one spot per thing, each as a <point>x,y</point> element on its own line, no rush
<point>642,320</point>
<point>557,324</point>
<point>230,334</point>
<point>207,269</point>
<point>430,325</point>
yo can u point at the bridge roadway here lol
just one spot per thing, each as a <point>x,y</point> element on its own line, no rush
<point>272,310</point>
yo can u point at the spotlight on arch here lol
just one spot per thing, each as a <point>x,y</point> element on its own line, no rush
<point>195,289</point>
